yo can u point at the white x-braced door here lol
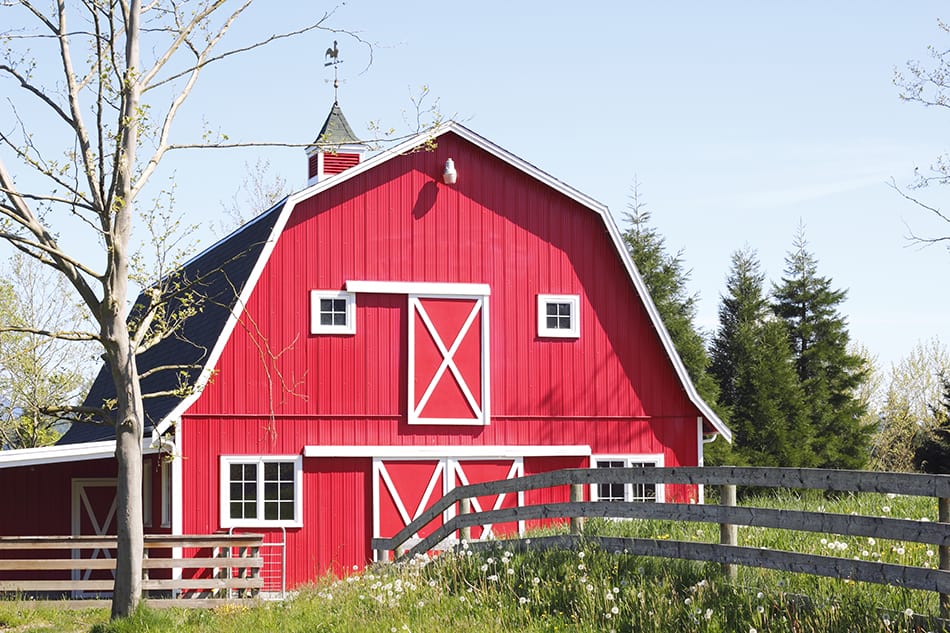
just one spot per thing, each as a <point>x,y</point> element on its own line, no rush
<point>404,488</point>
<point>93,514</point>
<point>448,360</point>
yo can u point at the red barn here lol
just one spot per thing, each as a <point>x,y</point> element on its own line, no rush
<point>441,313</point>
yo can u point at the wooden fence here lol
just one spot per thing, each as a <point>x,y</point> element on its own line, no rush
<point>221,568</point>
<point>726,514</point>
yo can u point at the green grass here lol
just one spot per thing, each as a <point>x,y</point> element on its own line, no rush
<point>587,590</point>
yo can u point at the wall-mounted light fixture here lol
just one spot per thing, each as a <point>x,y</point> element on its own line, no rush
<point>449,175</point>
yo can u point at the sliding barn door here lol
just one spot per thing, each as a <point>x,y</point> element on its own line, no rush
<point>405,488</point>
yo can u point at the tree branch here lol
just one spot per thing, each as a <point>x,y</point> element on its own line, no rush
<point>318,25</point>
<point>61,335</point>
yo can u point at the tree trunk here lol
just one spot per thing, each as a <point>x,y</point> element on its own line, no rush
<point>128,453</point>
<point>120,352</point>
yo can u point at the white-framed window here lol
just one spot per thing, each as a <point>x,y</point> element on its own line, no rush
<point>261,491</point>
<point>147,493</point>
<point>633,492</point>
<point>166,494</point>
<point>559,316</point>
<point>332,312</point>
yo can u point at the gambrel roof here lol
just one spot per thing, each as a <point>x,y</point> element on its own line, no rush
<point>230,269</point>
<point>214,279</point>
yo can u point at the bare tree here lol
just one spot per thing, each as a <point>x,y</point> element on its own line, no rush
<point>37,372</point>
<point>258,192</point>
<point>928,84</point>
<point>124,69</point>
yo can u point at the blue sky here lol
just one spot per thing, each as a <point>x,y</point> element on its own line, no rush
<point>739,119</point>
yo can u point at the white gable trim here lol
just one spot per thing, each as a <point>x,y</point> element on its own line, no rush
<point>512,160</point>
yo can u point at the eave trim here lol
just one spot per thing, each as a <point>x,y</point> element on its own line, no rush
<point>433,451</point>
<point>419,288</point>
<point>63,453</point>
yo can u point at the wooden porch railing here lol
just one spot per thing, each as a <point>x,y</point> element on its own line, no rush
<point>223,567</point>
<point>727,515</point>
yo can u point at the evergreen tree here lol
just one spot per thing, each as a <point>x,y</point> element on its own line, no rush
<point>752,364</point>
<point>829,374</point>
<point>932,454</point>
<point>666,280</point>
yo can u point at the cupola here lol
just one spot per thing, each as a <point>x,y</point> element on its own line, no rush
<point>335,149</point>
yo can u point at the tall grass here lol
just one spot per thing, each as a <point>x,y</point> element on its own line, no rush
<point>586,590</point>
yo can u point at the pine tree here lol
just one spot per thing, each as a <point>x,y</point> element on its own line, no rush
<point>752,364</point>
<point>932,454</point>
<point>829,374</point>
<point>666,279</point>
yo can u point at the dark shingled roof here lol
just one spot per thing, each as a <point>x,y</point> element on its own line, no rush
<point>214,280</point>
<point>336,130</point>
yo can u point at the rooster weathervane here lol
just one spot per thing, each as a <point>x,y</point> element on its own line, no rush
<point>333,55</point>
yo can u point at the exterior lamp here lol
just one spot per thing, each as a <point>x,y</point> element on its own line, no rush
<point>449,175</point>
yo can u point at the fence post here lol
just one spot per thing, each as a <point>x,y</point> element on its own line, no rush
<point>577,496</point>
<point>728,533</point>
<point>145,592</point>
<point>465,507</point>
<point>943,515</point>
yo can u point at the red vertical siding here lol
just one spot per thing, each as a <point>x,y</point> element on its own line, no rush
<point>279,388</point>
<point>496,226</point>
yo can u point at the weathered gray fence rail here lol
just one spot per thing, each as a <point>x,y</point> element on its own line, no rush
<point>221,568</point>
<point>727,516</point>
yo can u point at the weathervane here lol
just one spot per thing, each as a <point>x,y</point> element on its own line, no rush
<point>333,54</point>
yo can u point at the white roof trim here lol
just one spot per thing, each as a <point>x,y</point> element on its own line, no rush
<point>62,453</point>
<point>419,288</point>
<point>512,160</point>
<point>455,451</point>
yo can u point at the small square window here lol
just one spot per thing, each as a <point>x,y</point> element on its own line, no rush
<point>559,316</point>
<point>332,312</point>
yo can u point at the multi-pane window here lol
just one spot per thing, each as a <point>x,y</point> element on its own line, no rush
<point>559,316</point>
<point>279,491</point>
<point>633,491</point>
<point>332,312</point>
<point>611,492</point>
<point>243,486</point>
<point>260,491</point>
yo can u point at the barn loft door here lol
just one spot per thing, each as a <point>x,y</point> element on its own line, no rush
<point>93,514</point>
<point>448,360</point>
